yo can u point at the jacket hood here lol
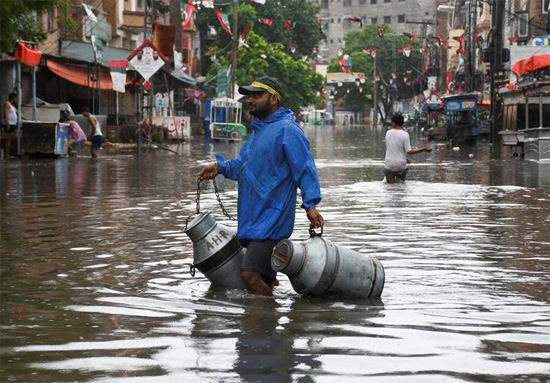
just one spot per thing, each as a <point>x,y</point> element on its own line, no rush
<point>281,114</point>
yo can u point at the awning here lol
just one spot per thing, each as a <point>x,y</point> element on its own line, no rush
<point>531,64</point>
<point>83,75</point>
<point>27,56</point>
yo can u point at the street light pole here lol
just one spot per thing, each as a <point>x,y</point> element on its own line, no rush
<point>234,48</point>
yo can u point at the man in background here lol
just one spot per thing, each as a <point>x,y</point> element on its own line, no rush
<point>398,146</point>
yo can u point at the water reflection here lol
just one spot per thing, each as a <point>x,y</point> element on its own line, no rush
<point>96,286</point>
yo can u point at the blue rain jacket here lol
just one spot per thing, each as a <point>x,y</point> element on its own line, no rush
<point>273,162</point>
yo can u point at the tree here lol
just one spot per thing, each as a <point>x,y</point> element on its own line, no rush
<point>18,20</point>
<point>392,67</point>
<point>304,31</point>
<point>302,36</point>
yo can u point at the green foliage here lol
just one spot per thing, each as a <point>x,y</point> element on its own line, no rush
<point>388,62</point>
<point>17,20</point>
<point>299,82</point>
<point>306,33</point>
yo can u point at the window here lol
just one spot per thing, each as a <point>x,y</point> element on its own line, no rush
<point>387,1</point>
<point>387,19</point>
<point>324,4</point>
<point>400,18</point>
<point>545,4</point>
<point>51,20</point>
<point>373,1</point>
<point>347,23</point>
<point>347,3</point>
<point>374,20</point>
<point>140,5</point>
<point>523,24</point>
<point>362,2</point>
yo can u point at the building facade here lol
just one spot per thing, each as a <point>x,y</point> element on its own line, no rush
<point>412,16</point>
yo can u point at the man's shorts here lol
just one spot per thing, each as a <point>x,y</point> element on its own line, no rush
<point>97,141</point>
<point>391,177</point>
<point>258,259</point>
<point>9,128</point>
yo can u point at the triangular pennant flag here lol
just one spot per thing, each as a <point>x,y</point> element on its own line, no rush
<point>292,48</point>
<point>324,22</point>
<point>343,65</point>
<point>268,22</point>
<point>186,14</point>
<point>379,32</point>
<point>287,24</point>
<point>243,36</point>
<point>258,1</point>
<point>411,36</point>
<point>207,3</point>
<point>407,51</point>
<point>118,74</point>
<point>224,21</point>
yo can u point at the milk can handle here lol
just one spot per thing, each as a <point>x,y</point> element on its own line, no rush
<point>312,232</point>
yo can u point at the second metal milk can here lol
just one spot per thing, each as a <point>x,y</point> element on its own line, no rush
<point>320,268</point>
<point>216,251</point>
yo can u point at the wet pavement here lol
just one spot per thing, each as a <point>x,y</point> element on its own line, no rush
<point>95,282</point>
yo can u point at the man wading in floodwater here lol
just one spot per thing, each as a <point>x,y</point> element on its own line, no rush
<point>271,165</point>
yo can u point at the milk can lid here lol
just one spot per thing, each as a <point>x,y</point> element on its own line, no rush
<point>282,254</point>
<point>201,224</point>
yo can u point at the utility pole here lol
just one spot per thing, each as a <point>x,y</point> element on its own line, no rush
<point>497,16</point>
<point>234,48</point>
<point>375,117</point>
<point>472,22</point>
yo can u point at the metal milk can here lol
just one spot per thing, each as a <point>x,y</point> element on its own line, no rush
<point>216,251</point>
<point>320,268</point>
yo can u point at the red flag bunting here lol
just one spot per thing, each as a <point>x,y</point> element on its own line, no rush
<point>187,14</point>
<point>222,17</point>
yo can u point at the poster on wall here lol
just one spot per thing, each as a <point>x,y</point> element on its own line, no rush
<point>178,127</point>
<point>61,139</point>
<point>147,59</point>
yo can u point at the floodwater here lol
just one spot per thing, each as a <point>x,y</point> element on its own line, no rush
<point>95,281</point>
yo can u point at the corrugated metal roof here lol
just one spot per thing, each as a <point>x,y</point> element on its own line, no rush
<point>84,52</point>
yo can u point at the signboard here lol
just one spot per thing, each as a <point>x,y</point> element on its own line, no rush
<point>147,59</point>
<point>460,105</point>
<point>177,126</point>
<point>222,80</point>
<point>61,139</point>
<point>226,102</point>
<point>231,132</point>
<point>340,77</point>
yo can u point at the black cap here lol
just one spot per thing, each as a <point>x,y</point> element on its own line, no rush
<point>265,80</point>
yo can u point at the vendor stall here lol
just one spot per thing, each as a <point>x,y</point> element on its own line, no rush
<point>225,119</point>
